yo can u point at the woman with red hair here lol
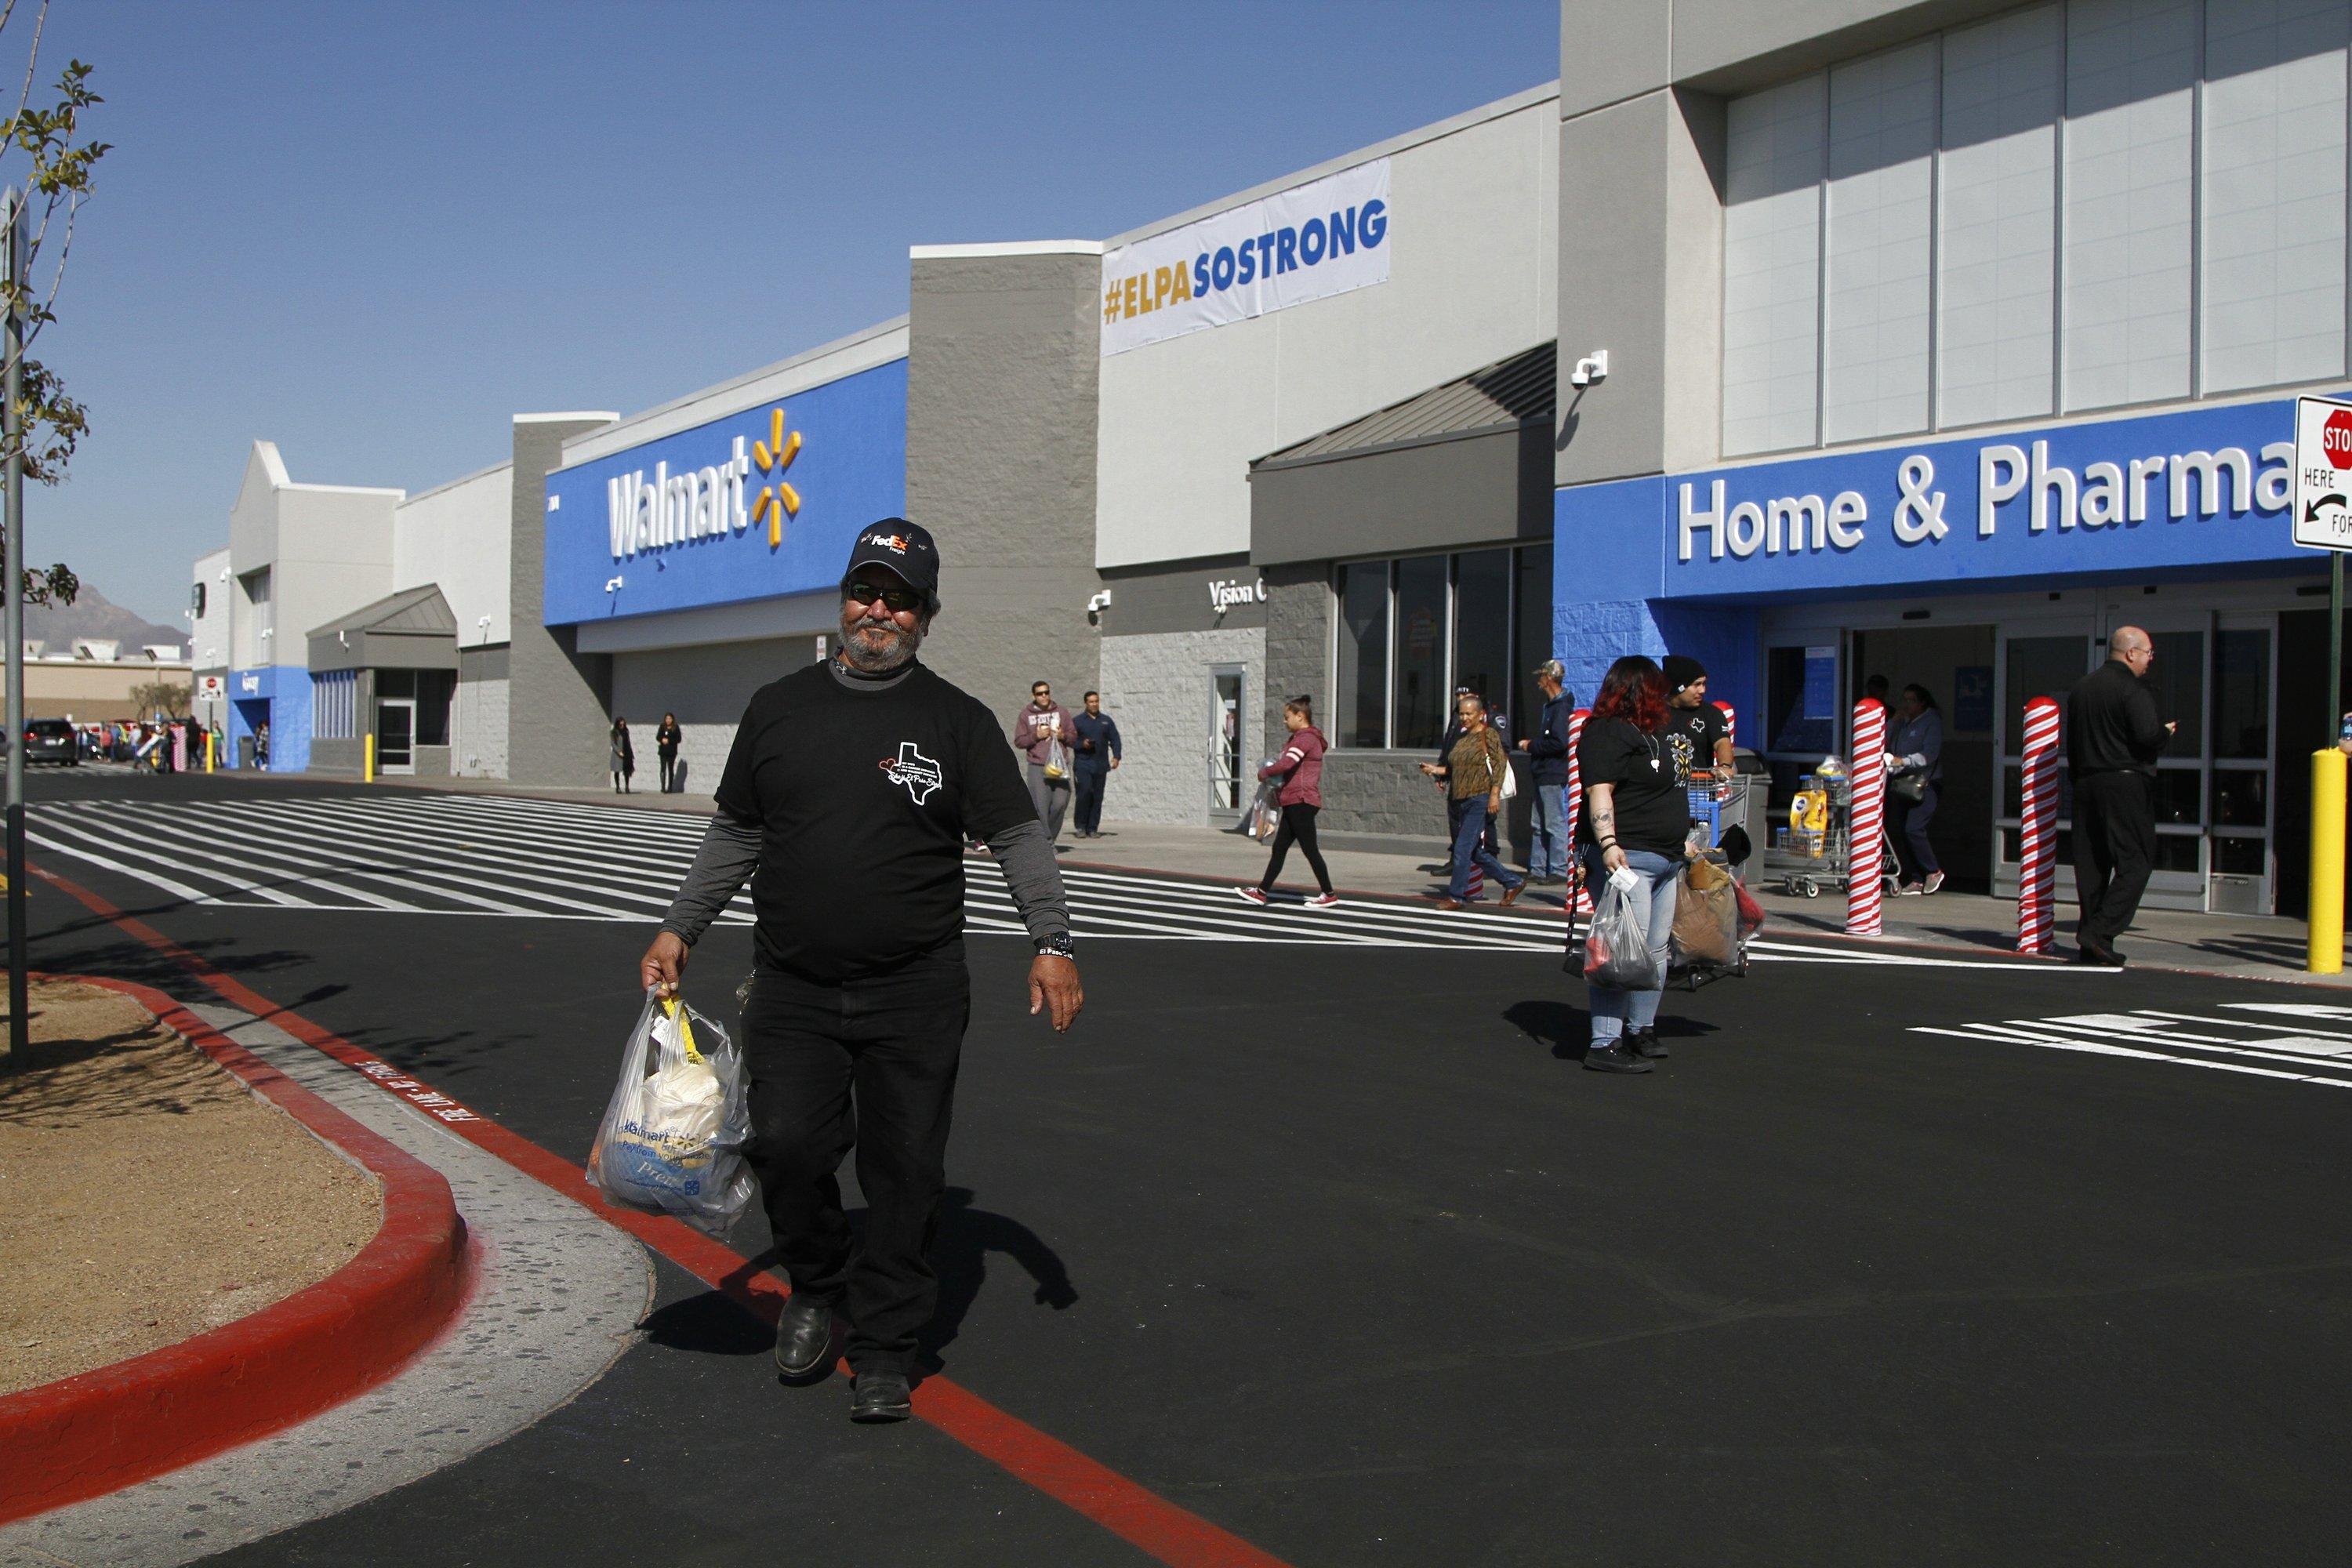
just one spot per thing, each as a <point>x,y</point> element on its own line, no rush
<point>1635,819</point>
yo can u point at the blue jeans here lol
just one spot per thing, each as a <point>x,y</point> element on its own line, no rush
<point>1549,856</point>
<point>1615,1011</point>
<point>1470,847</point>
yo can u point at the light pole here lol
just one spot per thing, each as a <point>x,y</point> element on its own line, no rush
<point>12,431</point>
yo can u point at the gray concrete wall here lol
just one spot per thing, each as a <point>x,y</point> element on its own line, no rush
<point>478,717</point>
<point>1158,686</point>
<point>1001,373</point>
<point>557,713</point>
<point>1641,275</point>
<point>1434,495</point>
<point>707,687</point>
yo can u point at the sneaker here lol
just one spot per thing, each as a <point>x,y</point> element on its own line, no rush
<point>1614,1057</point>
<point>1907,890</point>
<point>1324,901</point>
<point>1252,895</point>
<point>1645,1043</point>
<point>1934,882</point>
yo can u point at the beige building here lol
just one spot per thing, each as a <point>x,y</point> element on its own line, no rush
<point>96,681</point>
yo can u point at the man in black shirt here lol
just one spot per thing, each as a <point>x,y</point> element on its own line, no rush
<point>2113,735</point>
<point>847,798</point>
<point>1694,727</point>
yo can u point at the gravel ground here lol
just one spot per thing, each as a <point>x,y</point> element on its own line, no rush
<point>146,1197</point>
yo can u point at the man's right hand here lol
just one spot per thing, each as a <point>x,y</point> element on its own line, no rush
<point>663,965</point>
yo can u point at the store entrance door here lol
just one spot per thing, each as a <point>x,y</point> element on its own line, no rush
<point>1954,664</point>
<point>395,734</point>
<point>1226,773</point>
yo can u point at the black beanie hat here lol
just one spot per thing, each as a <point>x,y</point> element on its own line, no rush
<point>1681,671</point>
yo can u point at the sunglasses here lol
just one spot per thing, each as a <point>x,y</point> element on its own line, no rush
<point>897,600</point>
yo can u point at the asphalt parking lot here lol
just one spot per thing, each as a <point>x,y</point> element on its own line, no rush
<point>1338,1248</point>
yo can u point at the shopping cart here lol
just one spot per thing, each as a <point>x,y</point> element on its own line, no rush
<point>1718,804</point>
<point>1817,850</point>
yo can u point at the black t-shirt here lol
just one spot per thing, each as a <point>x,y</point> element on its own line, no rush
<point>1691,734</point>
<point>1652,808</point>
<point>863,799</point>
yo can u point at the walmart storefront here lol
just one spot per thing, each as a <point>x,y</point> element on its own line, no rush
<point>1990,570</point>
<point>698,547</point>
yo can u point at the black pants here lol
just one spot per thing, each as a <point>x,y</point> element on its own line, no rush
<point>2115,850</point>
<point>869,1064</point>
<point>669,769</point>
<point>1298,827</point>
<point>1914,852</point>
<point>1088,784</point>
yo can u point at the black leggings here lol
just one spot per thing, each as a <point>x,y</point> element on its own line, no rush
<point>1298,826</point>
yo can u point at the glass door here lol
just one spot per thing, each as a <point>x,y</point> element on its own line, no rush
<point>2241,876</point>
<point>2040,665</point>
<point>1226,741</point>
<point>395,733</point>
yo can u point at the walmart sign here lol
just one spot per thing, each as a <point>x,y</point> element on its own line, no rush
<point>756,504</point>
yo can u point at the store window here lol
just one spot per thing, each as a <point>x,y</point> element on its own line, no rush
<point>2073,207</point>
<point>1411,630</point>
<point>334,705</point>
<point>431,689</point>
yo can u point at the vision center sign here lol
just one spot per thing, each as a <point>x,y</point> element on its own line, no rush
<point>753,505</point>
<point>2209,486</point>
<point>1324,238</point>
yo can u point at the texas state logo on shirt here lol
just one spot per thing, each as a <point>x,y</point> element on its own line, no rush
<point>918,773</point>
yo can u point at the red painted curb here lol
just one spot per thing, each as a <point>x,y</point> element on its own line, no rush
<point>99,1431</point>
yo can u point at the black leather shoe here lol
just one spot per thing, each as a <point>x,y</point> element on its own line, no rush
<point>881,1396</point>
<point>803,1337</point>
<point>1614,1058</point>
<point>1645,1043</point>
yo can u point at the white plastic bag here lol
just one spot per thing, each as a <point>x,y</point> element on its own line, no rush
<point>1616,949</point>
<point>672,1139</point>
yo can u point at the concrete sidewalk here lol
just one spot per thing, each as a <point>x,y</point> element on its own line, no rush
<point>2249,946</point>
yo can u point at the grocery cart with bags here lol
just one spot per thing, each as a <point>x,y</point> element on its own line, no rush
<point>1814,847</point>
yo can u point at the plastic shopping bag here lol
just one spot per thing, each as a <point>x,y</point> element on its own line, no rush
<point>1058,761</point>
<point>1616,948</point>
<point>672,1139</point>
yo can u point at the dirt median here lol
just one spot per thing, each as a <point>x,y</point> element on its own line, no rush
<point>147,1197</point>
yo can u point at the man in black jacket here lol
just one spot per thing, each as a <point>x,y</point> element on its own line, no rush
<point>2113,735</point>
<point>1548,748</point>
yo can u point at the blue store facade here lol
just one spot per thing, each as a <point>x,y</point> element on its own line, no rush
<point>1991,569</point>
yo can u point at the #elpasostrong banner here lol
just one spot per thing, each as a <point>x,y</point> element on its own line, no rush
<point>1310,243</point>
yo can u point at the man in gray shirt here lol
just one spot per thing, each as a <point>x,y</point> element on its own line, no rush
<point>851,790</point>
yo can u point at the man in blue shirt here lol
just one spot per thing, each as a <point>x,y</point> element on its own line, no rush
<point>1098,753</point>
<point>1548,749</point>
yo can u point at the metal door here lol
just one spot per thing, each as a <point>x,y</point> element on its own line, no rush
<point>395,732</point>
<point>1228,718</point>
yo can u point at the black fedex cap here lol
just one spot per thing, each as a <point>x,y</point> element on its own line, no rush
<point>904,547</point>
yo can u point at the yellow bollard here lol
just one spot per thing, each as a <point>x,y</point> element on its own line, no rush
<point>209,751</point>
<point>2325,954</point>
<point>367,769</point>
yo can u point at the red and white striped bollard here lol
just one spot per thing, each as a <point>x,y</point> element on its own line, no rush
<point>2037,852</point>
<point>1866,818</point>
<point>1572,806</point>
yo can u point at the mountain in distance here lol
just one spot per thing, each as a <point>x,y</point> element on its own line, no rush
<point>93,614</point>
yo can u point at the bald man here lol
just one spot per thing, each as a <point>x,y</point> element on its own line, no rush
<point>2113,735</point>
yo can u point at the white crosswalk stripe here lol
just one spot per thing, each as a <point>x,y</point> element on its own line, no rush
<point>2300,1042</point>
<point>495,855</point>
<point>507,856</point>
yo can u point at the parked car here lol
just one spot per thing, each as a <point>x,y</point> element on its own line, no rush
<point>51,740</point>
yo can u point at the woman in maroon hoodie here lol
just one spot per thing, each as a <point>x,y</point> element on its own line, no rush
<point>1300,767</point>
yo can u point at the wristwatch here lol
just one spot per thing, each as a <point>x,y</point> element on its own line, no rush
<point>1058,947</point>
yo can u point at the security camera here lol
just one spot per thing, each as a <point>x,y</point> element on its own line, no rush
<point>1592,367</point>
<point>1096,605</point>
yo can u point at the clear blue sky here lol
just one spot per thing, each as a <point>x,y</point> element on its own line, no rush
<point>372,233</point>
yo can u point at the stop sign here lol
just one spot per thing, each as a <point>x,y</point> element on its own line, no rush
<point>2335,439</point>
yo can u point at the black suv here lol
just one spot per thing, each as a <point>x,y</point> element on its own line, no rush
<point>51,740</point>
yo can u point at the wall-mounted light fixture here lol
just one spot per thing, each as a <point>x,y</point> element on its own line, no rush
<point>1095,606</point>
<point>612,584</point>
<point>1592,367</point>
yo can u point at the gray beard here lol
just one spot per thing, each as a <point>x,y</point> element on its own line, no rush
<point>897,656</point>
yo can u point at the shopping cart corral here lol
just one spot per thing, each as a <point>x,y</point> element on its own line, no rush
<point>1814,847</point>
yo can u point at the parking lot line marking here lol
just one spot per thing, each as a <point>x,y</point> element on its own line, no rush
<point>1133,1512</point>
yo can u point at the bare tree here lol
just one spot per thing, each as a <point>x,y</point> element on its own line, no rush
<point>161,697</point>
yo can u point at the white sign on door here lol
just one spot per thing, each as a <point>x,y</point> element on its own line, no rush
<point>2321,509</point>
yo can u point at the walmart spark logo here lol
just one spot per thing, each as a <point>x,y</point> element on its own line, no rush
<point>778,499</point>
